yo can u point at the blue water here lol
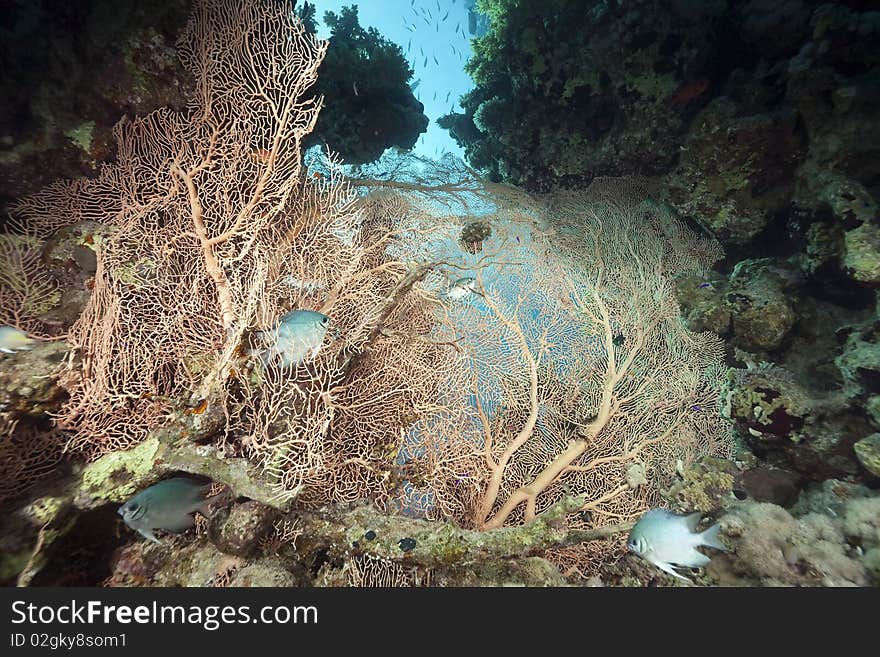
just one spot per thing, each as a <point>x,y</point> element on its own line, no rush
<point>435,38</point>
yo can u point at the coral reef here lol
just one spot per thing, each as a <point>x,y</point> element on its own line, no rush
<point>764,136</point>
<point>828,538</point>
<point>773,548</point>
<point>364,80</point>
<point>600,368</point>
<point>70,72</point>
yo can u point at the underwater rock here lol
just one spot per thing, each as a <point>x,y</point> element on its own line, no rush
<point>28,382</point>
<point>775,29</point>
<point>773,548</point>
<point>529,571</point>
<point>244,527</point>
<point>861,258</point>
<point>703,303</point>
<point>761,304</point>
<point>269,571</point>
<point>706,486</point>
<point>70,72</point>
<point>824,246</point>
<point>778,487</point>
<point>861,521</point>
<point>736,172</point>
<point>71,252</point>
<point>196,563</point>
<point>756,308</point>
<point>69,308</point>
<point>833,83</point>
<point>871,561</point>
<point>28,533</point>
<point>859,363</point>
<point>562,96</point>
<point>868,452</point>
<point>117,476</point>
<point>769,405</point>
<point>846,200</point>
<point>793,428</point>
<point>872,406</point>
<point>829,497</point>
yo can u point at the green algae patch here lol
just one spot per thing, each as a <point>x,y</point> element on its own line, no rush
<point>116,476</point>
<point>81,135</point>
<point>868,452</point>
<point>862,258</point>
<point>45,509</point>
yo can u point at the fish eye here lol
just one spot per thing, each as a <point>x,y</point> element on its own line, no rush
<point>325,321</point>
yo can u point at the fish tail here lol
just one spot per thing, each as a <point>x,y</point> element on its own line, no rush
<point>711,538</point>
<point>206,505</point>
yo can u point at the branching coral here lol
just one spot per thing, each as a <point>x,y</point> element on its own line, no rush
<point>569,371</point>
<point>26,289</point>
<point>220,232</point>
<point>580,368</point>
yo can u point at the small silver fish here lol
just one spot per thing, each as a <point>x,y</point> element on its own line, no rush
<point>666,540</point>
<point>299,334</point>
<point>168,505</point>
<point>12,340</point>
<point>435,60</point>
<point>461,288</point>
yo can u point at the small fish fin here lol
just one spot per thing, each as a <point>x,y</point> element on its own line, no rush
<point>711,538</point>
<point>696,560</point>
<point>693,520</point>
<point>667,568</point>
<point>205,507</point>
<point>148,533</point>
<point>180,525</point>
<point>266,356</point>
